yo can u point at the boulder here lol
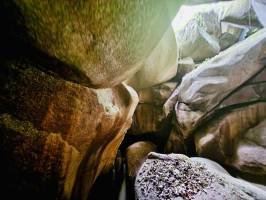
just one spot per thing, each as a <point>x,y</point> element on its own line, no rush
<point>219,138</point>
<point>175,143</point>
<point>156,95</point>
<point>160,66</point>
<point>147,119</point>
<point>197,35</point>
<point>96,43</point>
<point>136,154</point>
<point>226,40</point>
<point>236,139</point>
<point>149,116</point>
<point>80,129</point>
<point>175,176</point>
<point>220,82</point>
<point>238,31</point>
<point>185,66</point>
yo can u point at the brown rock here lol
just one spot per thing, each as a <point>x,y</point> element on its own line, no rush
<point>136,155</point>
<point>156,95</point>
<point>149,116</point>
<point>174,143</point>
<point>93,122</point>
<point>219,139</point>
<point>147,119</point>
<point>38,154</point>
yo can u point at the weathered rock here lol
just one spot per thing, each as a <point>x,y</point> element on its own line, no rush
<point>160,66</point>
<point>44,156</point>
<point>250,151</point>
<point>238,11</point>
<point>101,43</point>
<point>221,82</point>
<point>175,143</point>
<point>219,139</point>
<point>259,7</point>
<point>232,140</point>
<point>149,116</point>
<point>185,66</point>
<point>210,164</point>
<point>147,119</point>
<point>136,154</point>
<point>238,31</point>
<point>227,40</point>
<point>175,176</point>
<point>250,158</point>
<point>90,123</point>
<point>214,166</point>
<point>197,35</point>
<point>257,134</point>
<point>156,95</point>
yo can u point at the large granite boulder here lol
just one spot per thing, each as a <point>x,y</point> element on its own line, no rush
<point>219,139</point>
<point>100,43</point>
<point>160,66</point>
<point>236,139</point>
<point>176,176</point>
<point>57,132</point>
<point>197,35</point>
<point>235,76</point>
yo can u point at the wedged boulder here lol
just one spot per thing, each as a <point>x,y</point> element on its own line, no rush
<point>197,35</point>
<point>149,116</point>
<point>250,154</point>
<point>91,122</point>
<point>136,154</point>
<point>160,66</point>
<point>226,40</point>
<point>185,66</point>
<point>223,81</point>
<point>147,119</point>
<point>156,95</point>
<point>100,43</point>
<point>175,143</point>
<point>250,158</point>
<point>175,176</point>
<point>237,139</point>
<point>220,138</point>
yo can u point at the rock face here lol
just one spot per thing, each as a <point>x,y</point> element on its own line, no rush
<point>197,35</point>
<point>217,83</point>
<point>160,66</point>
<point>223,139</point>
<point>175,143</point>
<point>136,155</point>
<point>175,176</point>
<point>59,131</point>
<point>100,43</point>
<point>149,116</point>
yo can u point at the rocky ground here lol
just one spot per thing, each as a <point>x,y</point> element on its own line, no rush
<point>89,89</point>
